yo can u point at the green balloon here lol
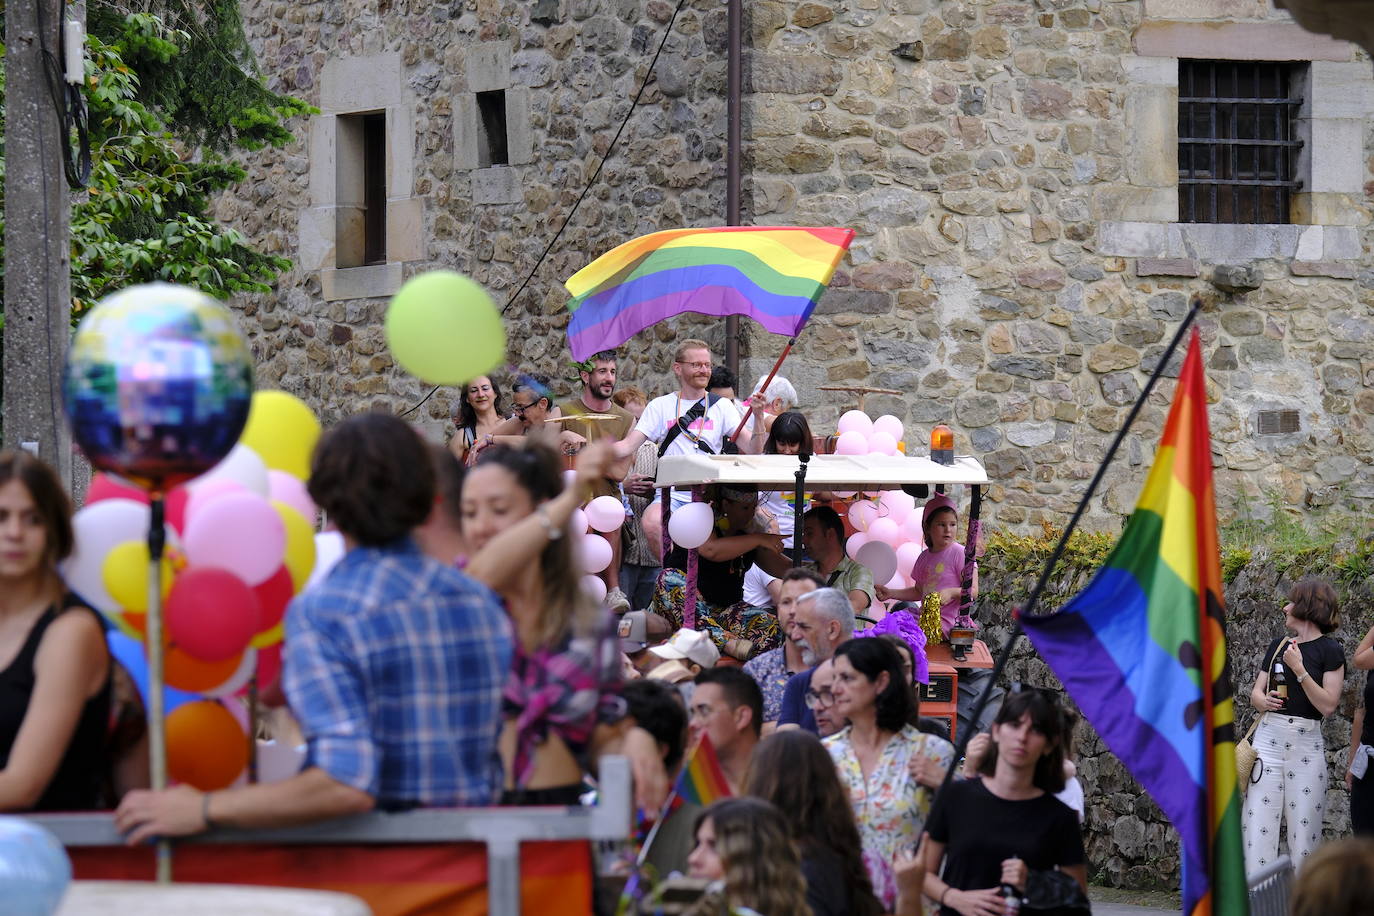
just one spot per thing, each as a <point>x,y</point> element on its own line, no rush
<point>442,327</point>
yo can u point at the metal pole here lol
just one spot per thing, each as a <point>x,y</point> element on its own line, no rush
<point>157,734</point>
<point>37,248</point>
<point>799,509</point>
<point>734,87</point>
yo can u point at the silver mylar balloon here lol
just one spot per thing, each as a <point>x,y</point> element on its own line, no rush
<point>34,868</point>
<point>158,384</point>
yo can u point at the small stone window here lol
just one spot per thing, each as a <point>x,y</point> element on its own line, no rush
<point>1237,140</point>
<point>1278,422</point>
<point>360,228</point>
<point>492,147</point>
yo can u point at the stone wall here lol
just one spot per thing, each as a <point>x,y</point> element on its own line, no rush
<point>1129,841</point>
<point>1009,168</point>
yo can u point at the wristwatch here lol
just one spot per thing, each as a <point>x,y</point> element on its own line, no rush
<point>1302,677</point>
<point>553,531</point>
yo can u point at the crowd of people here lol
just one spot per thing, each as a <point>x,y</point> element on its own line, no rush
<point>454,657</point>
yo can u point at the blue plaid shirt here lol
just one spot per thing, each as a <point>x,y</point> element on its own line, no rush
<point>394,666</point>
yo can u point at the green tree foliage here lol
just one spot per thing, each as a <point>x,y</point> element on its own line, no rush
<point>157,159</point>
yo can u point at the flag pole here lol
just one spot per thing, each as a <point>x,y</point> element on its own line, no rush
<point>734,437</point>
<point>1005,654</point>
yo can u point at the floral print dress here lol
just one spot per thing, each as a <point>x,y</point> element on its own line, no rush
<point>890,806</point>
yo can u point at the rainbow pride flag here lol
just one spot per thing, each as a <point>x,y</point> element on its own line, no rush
<point>1142,650</point>
<point>702,781</point>
<point>773,275</point>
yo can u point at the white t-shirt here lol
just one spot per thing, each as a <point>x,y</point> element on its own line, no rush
<point>715,425</point>
<point>756,582</point>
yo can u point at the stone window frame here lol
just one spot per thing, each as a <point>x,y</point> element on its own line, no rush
<point>351,86</point>
<point>1338,98</point>
<point>487,68</point>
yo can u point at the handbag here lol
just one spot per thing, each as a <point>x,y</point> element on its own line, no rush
<point>1246,755</point>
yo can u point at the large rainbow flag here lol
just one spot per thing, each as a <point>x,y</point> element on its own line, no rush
<point>773,275</point>
<point>1142,650</point>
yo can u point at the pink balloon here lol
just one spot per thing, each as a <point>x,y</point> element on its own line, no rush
<point>605,513</point>
<point>577,522</point>
<point>691,525</point>
<point>856,540</point>
<point>240,532</point>
<point>206,493</point>
<point>862,514</point>
<point>851,442</point>
<point>881,444</point>
<point>596,553</point>
<point>913,530</point>
<point>885,530</point>
<point>880,559</point>
<point>907,552</point>
<point>899,581</point>
<point>889,424</point>
<point>855,421</point>
<point>844,494</point>
<point>285,488</point>
<point>896,505</point>
<point>593,586</point>
<point>569,477</point>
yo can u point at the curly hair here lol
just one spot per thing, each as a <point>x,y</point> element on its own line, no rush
<point>374,477</point>
<point>793,771</point>
<point>567,608</point>
<point>466,417</point>
<point>762,869</point>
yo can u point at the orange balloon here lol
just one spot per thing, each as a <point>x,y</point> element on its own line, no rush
<point>184,671</point>
<point>206,747</point>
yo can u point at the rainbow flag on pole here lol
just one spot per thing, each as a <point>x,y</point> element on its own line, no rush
<point>773,275</point>
<point>702,781</point>
<point>1142,650</point>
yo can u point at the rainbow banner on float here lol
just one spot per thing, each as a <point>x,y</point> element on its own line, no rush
<point>1142,651</point>
<point>774,275</point>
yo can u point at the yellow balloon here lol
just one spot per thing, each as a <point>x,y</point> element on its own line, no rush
<point>269,637</point>
<point>300,544</point>
<point>125,574</point>
<point>283,431</point>
<point>443,328</point>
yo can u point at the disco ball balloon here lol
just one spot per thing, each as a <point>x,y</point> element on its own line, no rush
<point>158,384</point>
<point>34,868</point>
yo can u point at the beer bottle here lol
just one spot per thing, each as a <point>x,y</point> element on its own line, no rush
<point>1278,681</point>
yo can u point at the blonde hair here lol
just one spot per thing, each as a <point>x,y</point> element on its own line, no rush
<point>762,867</point>
<point>690,343</point>
<point>1337,880</point>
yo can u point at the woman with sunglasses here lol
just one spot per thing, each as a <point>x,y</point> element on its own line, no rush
<point>562,705</point>
<point>990,832</point>
<point>736,543</point>
<point>874,755</point>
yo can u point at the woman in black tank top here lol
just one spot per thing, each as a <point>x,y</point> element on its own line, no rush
<point>54,666</point>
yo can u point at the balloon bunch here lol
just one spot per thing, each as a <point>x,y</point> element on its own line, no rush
<point>888,536</point>
<point>241,542</point>
<point>604,514</point>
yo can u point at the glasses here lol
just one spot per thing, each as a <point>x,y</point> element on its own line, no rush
<point>521,408</point>
<point>819,699</point>
<point>700,711</point>
<point>706,365</point>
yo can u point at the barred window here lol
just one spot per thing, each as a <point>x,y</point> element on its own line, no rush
<point>1237,146</point>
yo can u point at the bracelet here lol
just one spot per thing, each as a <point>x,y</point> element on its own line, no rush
<point>1302,677</point>
<point>205,811</point>
<point>943,893</point>
<point>553,531</point>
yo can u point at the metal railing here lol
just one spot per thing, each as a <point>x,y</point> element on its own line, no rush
<point>1270,888</point>
<point>501,829</point>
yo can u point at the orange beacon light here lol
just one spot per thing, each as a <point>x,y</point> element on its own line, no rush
<point>942,445</point>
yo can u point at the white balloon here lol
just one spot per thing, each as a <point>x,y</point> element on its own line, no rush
<point>329,549</point>
<point>240,676</point>
<point>880,559</point>
<point>897,505</point>
<point>889,424</point>
<point>241,464</point>
<point>97,528</point>
<point>605,513</point>
<point>577,522</point>
<point>885,530</point>
<point>690,526</point>
<point>593,586</point>
<point>595,552</point>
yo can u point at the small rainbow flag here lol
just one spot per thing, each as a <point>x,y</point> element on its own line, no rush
<point>773,275</point>
<point>1142,650</point>
<point>702,781</point>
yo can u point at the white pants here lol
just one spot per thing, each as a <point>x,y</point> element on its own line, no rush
<point>1292,787</point>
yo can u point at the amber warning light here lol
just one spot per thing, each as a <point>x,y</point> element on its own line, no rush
<point>942,445</point>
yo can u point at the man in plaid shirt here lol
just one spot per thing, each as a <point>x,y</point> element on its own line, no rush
<point>394,663</point>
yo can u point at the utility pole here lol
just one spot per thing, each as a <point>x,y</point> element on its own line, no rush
<point>37,238</point>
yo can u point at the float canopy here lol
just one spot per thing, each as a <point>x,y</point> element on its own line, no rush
<point>823,472</point>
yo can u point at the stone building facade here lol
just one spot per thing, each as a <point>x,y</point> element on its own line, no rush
<point>1011,169</point>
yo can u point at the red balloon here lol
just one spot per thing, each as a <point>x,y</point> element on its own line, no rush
<point>177,498</point>
<point>211,614</point>
<point>273,597</point>
<point>103,486</point>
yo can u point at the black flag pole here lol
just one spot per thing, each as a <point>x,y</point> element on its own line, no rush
<point>1005,654</point>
